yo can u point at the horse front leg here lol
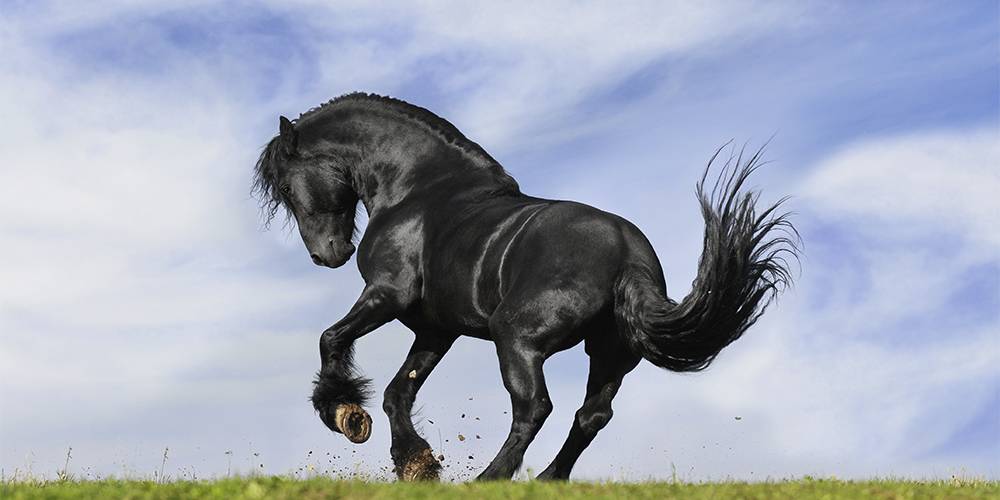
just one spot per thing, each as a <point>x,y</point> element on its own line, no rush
<point>521,368</point>
<point>340,392</point>
<point>411,455</point>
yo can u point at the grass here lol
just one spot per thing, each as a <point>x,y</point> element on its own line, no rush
<point>315,488</point>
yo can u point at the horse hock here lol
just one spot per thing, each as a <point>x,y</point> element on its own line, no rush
<point>353,422</point>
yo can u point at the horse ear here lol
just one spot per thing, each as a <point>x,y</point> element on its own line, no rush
<point>289,137</point>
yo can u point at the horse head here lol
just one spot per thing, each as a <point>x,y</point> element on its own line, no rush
<point>315,190</point>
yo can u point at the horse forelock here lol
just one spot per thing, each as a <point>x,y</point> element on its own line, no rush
<point>265,181</point>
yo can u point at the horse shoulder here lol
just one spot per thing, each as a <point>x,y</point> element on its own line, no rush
<point>391,251</point>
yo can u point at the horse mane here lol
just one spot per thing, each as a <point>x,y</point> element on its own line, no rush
<point>416,114</point>
<point>265,171</point>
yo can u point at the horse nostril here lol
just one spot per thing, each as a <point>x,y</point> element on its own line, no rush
<point>346,248</point>
<point>316,260</point>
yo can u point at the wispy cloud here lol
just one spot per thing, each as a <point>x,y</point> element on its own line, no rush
<point>940,182</point>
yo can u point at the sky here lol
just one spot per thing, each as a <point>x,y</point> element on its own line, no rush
<point>148,321</point>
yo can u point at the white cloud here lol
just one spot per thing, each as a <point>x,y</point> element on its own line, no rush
<point>132,259</point>
<point>948,178</point>
<point>921,210</point>
<point>104,218</point>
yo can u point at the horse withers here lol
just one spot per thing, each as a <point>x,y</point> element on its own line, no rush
<point>453,248</point>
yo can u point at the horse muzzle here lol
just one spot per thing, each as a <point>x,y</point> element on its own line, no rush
<point>336,257</point>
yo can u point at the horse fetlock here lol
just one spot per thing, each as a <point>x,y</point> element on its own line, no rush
<point>553,473</point>
<point>353,422</point>
<point>419,466</point>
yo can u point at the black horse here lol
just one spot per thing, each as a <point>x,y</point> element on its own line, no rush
<point>454,248</point>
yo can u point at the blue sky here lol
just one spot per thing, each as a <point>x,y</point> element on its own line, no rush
<point>143,307</point>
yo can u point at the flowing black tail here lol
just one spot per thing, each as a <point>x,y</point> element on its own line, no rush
<point>742,268</point>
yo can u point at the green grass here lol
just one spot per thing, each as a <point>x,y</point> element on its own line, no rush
<point>279,487</point>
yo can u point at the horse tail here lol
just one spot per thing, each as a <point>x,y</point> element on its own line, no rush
<point>742,268</point>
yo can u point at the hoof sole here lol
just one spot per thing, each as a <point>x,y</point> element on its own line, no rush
<point>353,422</point>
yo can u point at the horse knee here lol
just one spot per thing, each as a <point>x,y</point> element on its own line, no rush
<point>334,347</point>
<point>542,410</point>
<point>389,407</point>
<point>537,411</point>
<point>392,400</point>
<point>594,420</point>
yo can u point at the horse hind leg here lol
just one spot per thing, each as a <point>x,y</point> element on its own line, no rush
<point>608,366</point>
<point>411,454</point>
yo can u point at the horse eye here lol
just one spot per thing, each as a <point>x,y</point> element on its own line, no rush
<point>286,189</point>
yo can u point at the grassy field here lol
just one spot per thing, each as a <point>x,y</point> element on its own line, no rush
<point>278,487</point>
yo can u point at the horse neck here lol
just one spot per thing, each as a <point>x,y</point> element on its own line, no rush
<point>401,158</point>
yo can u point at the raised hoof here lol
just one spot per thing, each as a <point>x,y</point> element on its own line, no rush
<point>353,422</point>
<point>421,466</point>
